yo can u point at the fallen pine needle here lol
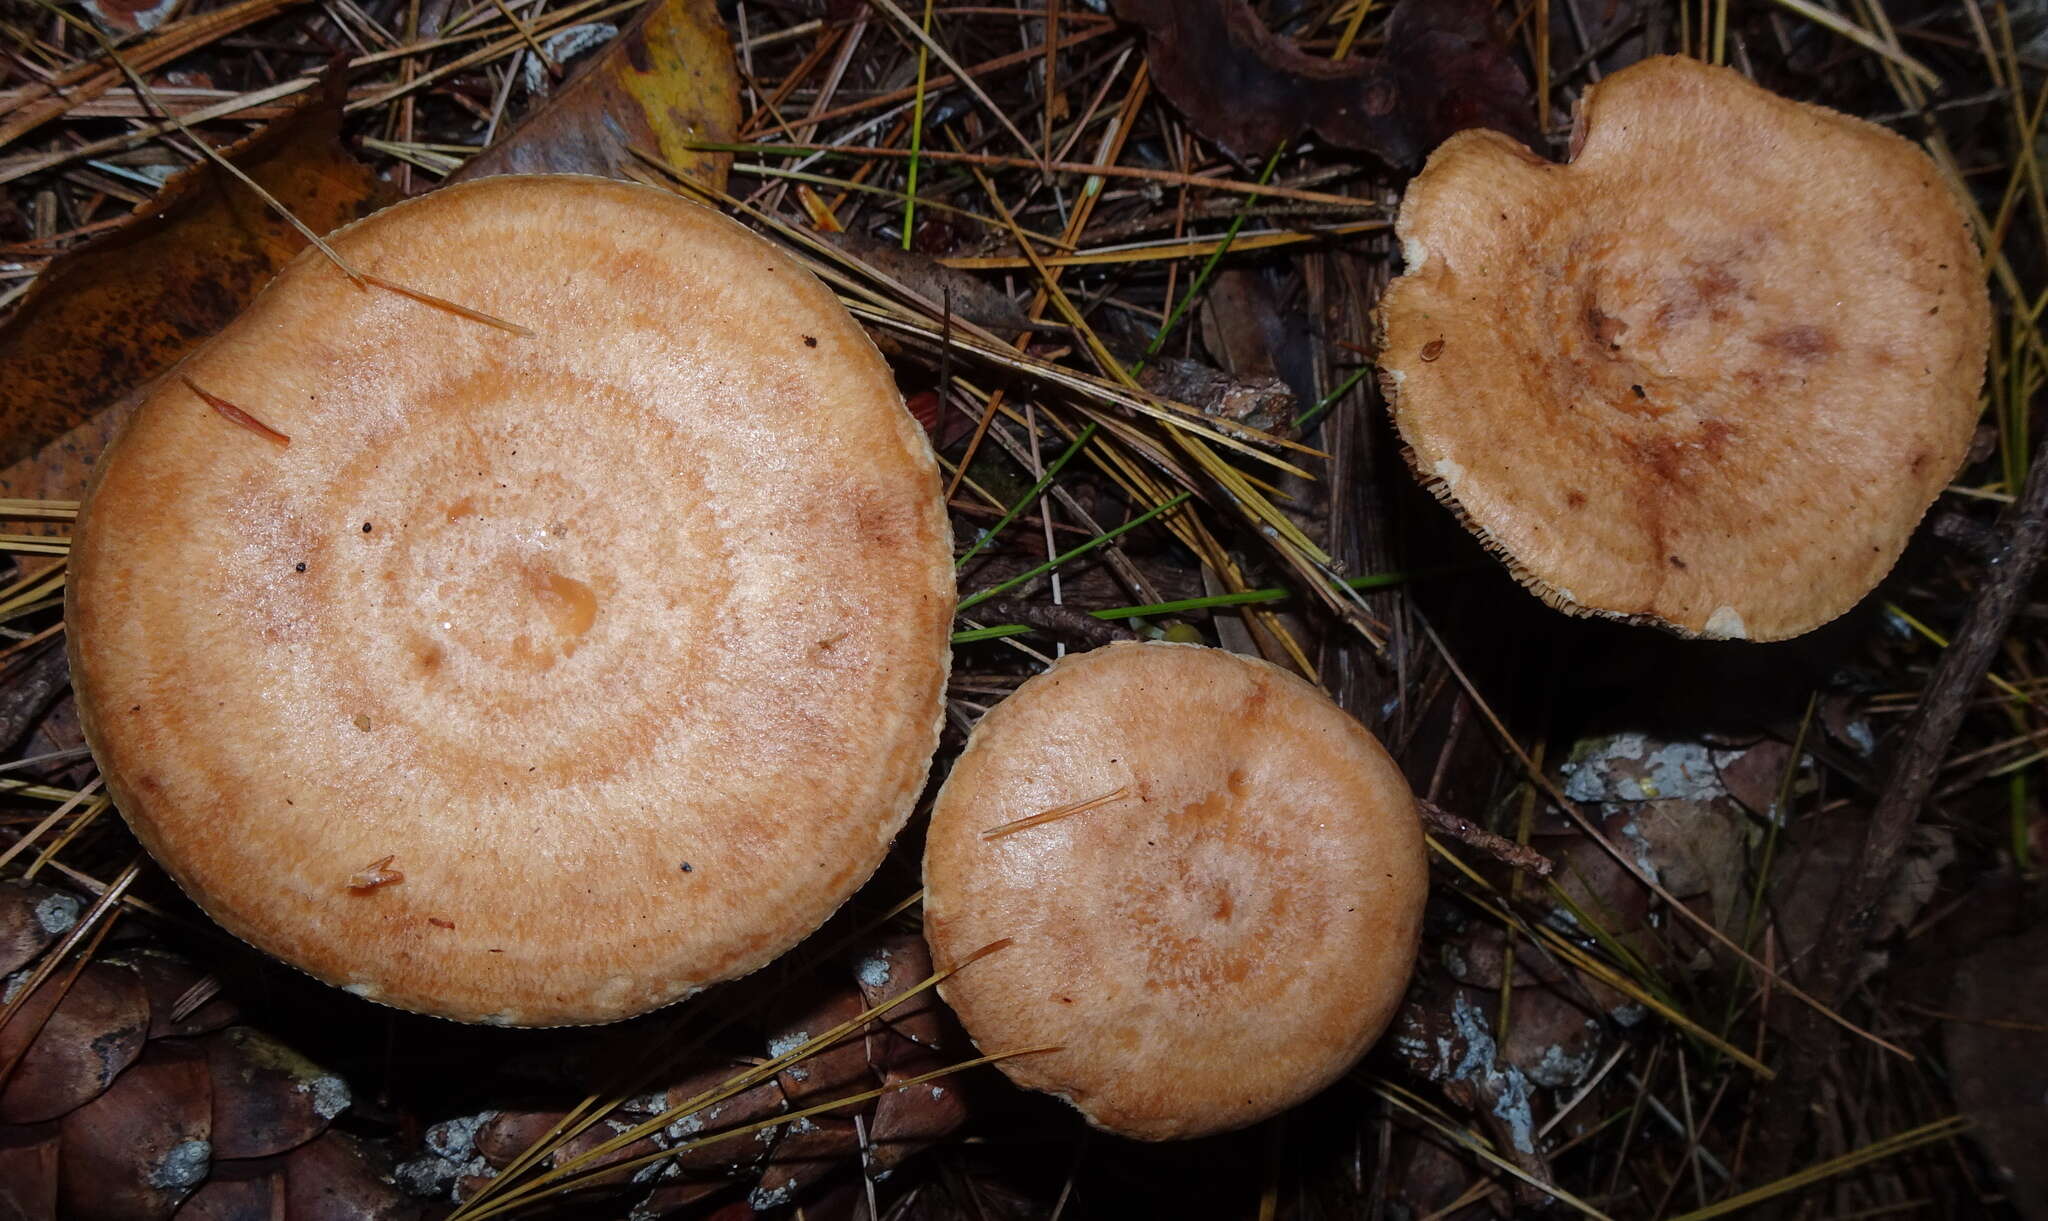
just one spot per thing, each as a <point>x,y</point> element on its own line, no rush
<point>235,415</point>
<point>1054,814</point>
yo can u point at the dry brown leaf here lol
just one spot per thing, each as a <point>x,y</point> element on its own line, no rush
<point>78,1042</point>
<point>267,1098</point>
<point>1443,69</point>
<point>140,1148</point>
<point>105,318</point>
<point>666,83</point>
<point>969,297</point>
<point>339,1177</point>
<point>82,82</point>
<point>28,1172</point>
<point>1998,1059</point>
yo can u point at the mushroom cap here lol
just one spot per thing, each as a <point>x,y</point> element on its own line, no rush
<point>1217,943</point>
<point>1709,374</point>
<point>624,641</point>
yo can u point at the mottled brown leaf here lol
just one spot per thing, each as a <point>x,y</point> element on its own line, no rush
<point>1444,68</point>
<point>809,1150</point>
<point>339,1178</point>
<point>891,966</point>
<point>747,1107</point>
<point>507,1134</point>
<point>1258,400</point>
<point>597,1134</point>
<point>107,317</point>
<point>830,1072</point>
<point>666,82</point>
<point>28,1173</point>
<point>170,982</point>
<point>75,1052</point>
<point>914,1117</point>
<point>239,1191</point>
<point>267,1098</point>
<point>135,1152</point>
<point>969,297</point>
<point>675,1199</point>
<point>32,916</point>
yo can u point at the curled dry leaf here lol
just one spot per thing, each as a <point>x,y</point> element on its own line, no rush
<point>1258,400</point>
<point>666,83</point>
<point>107,317</point>
<point>1444,69</point>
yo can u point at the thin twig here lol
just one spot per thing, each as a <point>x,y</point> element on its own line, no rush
<point>1472,835</point>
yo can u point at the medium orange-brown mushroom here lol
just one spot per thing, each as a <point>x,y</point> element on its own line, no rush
<point>1709,374</point>
<point>1211,880</point>
<point>528,680</point>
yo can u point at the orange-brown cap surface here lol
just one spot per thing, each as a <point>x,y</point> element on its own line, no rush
<point>537,680</point>
<point>1218,939</point>
<point>1708,375</point>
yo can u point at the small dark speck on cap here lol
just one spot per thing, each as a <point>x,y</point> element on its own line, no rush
<point>810,341</point>
<point>300,566</point>
<point>686,866</point>
<point>366,527</point>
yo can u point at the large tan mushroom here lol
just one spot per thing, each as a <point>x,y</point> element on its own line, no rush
<point>1210,879</point>
<point>1709,374</point>
<point>527,680</point>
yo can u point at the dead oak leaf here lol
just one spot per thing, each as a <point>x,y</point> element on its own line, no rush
<point>665,85</point>
<point>109,316</point>
<point>1443,69</point>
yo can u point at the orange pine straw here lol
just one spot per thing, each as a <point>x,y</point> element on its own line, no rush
<point>1052,815</point>
<point>453,307</point>
<point>235,415</point>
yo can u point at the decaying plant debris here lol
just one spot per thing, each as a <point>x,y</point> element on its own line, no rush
<point>1716,929</point>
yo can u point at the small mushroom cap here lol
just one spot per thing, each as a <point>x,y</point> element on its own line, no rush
<point>538,680</point>
<point>1709,374</point>
<point>1222,939</point>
